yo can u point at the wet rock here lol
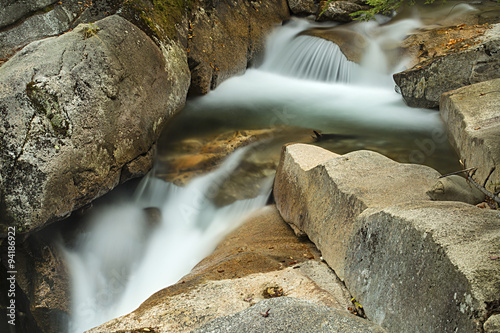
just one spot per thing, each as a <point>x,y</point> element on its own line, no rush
<point>183,159</point>
<point>79,109</point>
<point>42,280</point>
<point>286,314</point>
<point>472,114</point>
<point>224,37</point>
<point>454,63</point>
<point>441,249</point>
<point>260,255</point>
<point>322,193</point>
<point>303,7</point>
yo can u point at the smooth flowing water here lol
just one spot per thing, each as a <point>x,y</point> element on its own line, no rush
<point>304,83</point>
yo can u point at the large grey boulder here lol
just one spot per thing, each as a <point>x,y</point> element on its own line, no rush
<point>473,61</point>
<point>472,114</point>
<point>80,113</point>
<point>286,314</point>
<point>321,193</point>
<point>426,266</point>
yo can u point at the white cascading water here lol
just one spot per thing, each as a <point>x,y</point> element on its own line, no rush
<point>122,260</point>
<point>361,97</point>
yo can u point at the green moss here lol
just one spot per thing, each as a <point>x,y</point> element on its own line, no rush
<point>90,31</point>
<point>157,17</point>
<point>48,105</point>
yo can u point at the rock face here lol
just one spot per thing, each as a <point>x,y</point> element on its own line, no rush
<point>288,314</point>
<point>467,61</point>
<point>22,22</point>
<point>322,193</point>
<point>472,114</point>
<point>440,249</point>
<point>382,235</point>
<point>338,11</point>
<point>225,36</point>
<point>81,113</point>
<point>302,7</point>
<point>261,259</point>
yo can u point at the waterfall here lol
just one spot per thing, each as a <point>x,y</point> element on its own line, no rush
<point>304,82</point>
<point>311,58</point>
<point>123,258</point>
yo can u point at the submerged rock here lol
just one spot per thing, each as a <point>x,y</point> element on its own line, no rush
<point>81,113</point>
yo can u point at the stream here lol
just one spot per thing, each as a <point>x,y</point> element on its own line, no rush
<point>139,245</point>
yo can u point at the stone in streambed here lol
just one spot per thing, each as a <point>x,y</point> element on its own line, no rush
<point>443,250</point>
<point>473,117</point>
<point>351,43</point>
<point>322,193</point>
<point>462,63</point>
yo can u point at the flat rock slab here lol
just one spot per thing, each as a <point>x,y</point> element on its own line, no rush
<point>321,193</point>
<point>426,266</point>
<point>473,117</point>
<point>287,314</point>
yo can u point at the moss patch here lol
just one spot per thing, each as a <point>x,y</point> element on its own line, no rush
<point>157,17</point>
<point>48,105</point>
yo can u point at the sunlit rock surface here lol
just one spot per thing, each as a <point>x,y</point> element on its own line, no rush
<point>378,230</point>
<point>322,193</point>
<point>454,63</point>
<point>472,114</point>
<point>286,314</point>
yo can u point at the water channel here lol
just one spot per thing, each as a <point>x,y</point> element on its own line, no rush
<point>303,84</point>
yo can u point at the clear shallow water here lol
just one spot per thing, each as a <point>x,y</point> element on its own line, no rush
<point>125,256</point>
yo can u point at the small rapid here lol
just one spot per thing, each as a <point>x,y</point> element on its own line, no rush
<point>126,255</point>
<point>123,258</point>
